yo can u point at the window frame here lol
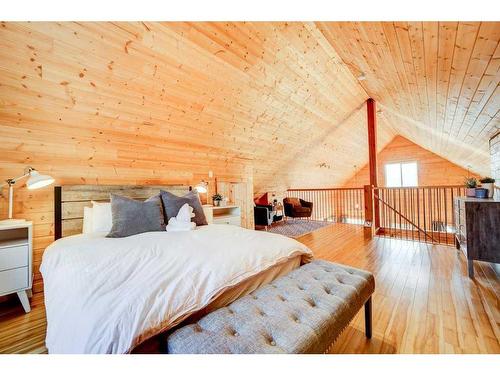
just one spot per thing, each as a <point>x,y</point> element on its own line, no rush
<point>400,164</point>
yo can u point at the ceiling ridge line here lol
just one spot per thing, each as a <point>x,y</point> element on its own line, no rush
<point>347,65</point>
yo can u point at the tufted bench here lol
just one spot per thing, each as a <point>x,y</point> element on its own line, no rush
<point>302,312</point>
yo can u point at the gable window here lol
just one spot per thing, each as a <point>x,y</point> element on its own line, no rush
<point>401,174</point>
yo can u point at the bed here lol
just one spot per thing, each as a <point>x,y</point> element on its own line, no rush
<point>109,295</point>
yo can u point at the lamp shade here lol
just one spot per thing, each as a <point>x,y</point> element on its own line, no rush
<point>37,180</point>
<point>201,187</point>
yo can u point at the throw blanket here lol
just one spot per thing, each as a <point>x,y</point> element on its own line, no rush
<point>107,295</point>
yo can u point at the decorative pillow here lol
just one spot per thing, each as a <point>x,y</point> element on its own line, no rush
<point>172,204</point>
<point>87,220</point>
<point>133,217</point>
<point>294,202</point>
<point>262,200</point>
<point>101,217</point>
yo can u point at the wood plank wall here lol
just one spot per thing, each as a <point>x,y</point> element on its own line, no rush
<point>432,169</point>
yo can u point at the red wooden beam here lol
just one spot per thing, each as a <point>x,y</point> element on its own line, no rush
<point>372,153</point>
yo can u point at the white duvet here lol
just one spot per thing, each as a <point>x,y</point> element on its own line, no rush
<point>106,295</point>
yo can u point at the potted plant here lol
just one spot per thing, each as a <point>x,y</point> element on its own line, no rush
<point>470,184</point>
<point>216,198</point>
<point>488,183</point>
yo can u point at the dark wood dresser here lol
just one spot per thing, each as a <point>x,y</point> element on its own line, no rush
<point>477,224</point>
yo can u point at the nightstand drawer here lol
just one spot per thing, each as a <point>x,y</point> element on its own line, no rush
<point>13,257</point>
<point>13,280</point>
<point>228,220</point>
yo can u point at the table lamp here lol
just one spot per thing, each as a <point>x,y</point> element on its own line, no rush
<point>202,188</point>
<point>35,181</point>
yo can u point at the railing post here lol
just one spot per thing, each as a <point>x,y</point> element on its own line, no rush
<point>372,154</point>
<point>368,191</point>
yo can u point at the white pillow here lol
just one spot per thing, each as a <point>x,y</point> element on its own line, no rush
<point>101,217</point>
<point>87,220</point>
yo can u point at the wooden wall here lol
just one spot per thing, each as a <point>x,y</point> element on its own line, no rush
<point>432,169</point>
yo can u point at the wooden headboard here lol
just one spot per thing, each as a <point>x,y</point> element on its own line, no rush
<point>70,200</point>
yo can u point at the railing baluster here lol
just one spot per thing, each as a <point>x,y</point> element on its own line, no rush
<point>413,200</point>
<point>453,211</point>
<point>393,212</point>
<point>324,215</point>
<point>351,203</point>
<point>386,213</point>
<point>440,224</point>
<point>325,205</point>
<point>405,201</point>
<point>425,210</point>
<point>329,207</point>
<point>399,209</point>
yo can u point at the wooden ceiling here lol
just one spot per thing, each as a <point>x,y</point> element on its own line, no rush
<point>282,97</point>
<point>436,82</point>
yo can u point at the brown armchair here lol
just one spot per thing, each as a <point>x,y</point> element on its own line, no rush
<point>295,207</point>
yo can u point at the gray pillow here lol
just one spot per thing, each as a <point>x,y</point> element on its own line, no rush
<point>130,216</point>
<point>172,204</point>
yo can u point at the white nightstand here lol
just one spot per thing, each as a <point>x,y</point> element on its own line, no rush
<point>229,214</point>
<point>16,259</point>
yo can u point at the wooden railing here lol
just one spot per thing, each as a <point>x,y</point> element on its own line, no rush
<point>423,213</point>
<point>419,213</point>
<point>344,205</point>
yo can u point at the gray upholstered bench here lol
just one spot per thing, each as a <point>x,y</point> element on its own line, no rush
<point>302,312</point>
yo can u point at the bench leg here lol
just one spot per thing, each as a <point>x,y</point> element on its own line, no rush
<point>368,318</point>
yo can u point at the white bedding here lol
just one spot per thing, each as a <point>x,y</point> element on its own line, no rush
<point>106,295</point>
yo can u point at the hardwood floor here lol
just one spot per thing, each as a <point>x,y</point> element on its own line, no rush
<point>20,332</point>
<point>424,302</point>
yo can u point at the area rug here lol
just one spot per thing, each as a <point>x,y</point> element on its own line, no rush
<point>296,228</point>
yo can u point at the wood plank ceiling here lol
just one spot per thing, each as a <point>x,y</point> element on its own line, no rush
<point>436,82</point>
<point>283,97</point>
<point>91,101</point>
